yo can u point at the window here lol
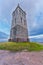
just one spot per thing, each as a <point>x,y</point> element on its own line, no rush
<point>16,12</point>
<point>14,32</point>
<point>19,10</point>
<point>24,22</point>
<point>22,13</point>
<point>21,20</point>
<point>15,20</point>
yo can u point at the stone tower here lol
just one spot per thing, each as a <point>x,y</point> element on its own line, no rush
<point>19,32</point>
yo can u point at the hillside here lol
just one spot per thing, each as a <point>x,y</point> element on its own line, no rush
<point>20,46</point>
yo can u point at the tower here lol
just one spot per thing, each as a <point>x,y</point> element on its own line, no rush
<point>19,32</point>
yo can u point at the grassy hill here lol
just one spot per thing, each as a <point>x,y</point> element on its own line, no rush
<point>19,46</point>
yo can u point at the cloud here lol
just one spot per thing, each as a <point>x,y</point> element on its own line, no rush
<point>35,19</point>
<point>37,36</point>
<point>4,26</point>
<point>34,9</point>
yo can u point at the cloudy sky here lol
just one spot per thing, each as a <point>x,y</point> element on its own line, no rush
<point>34,10</point>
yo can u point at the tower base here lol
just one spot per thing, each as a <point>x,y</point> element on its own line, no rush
<point>19,40</point>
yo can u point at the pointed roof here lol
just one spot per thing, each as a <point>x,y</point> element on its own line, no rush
<point>18,6</point>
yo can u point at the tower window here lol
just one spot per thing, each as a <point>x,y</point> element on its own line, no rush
<point>24,22</point>
<point>19,10</point>
<point>15,20</point>
<point>21,20</point>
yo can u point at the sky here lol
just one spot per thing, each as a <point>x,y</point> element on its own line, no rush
<point>34,10</point>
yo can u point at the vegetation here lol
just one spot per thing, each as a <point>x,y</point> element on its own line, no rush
<point>20,46</point>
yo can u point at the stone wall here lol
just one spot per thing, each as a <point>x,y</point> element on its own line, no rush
<point>19,34</point>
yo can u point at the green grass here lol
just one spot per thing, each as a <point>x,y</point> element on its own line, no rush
<point>19,46</point>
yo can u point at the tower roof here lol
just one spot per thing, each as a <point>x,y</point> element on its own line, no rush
<point>18,6</point>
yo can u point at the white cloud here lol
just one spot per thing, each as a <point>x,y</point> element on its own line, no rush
<point>37,36</point>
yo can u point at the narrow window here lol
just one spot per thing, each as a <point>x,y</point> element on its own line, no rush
<point>21,20</point>
<point>19,10</point>
<point>24,22</point>
<point>15,20</point>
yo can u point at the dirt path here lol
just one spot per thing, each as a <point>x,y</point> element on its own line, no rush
<point>21,58</point>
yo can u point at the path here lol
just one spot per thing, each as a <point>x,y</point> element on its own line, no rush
<point>21,58</point>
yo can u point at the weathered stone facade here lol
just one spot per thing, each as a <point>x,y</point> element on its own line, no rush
<point>19,32</point>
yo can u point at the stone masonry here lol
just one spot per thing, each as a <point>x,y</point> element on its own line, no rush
<point>19,32</point>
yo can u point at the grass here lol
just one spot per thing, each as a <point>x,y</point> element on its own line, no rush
<point>19,46</point>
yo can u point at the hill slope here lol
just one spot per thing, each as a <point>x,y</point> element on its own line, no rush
<point>19,46</point>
